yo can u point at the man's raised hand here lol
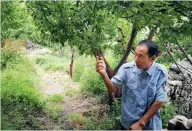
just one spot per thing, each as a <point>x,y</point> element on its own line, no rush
<point>100,66</point>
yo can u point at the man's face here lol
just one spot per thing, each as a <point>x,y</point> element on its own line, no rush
<point>141,57</point>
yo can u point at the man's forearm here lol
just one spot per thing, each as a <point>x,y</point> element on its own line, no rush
<point>150,113</point>
<point>108,83</point>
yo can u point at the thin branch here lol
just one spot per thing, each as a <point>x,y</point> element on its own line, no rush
<point>182,6</point>
<point>173,59</point>
<point>46,17</point>
<point>184,52</point>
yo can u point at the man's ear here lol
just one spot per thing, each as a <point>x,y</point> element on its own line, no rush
<point>153,58</point>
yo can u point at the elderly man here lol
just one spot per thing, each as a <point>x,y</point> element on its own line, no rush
<point>142,82</point>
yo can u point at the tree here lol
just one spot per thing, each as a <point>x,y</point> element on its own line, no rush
<point>92,26</point>
<point>16,22</point>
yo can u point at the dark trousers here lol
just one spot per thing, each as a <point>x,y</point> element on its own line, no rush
<point>122,128</point>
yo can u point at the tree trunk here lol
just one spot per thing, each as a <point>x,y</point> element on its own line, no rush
<point>128,50</point>
<point>151,34</point>
<point>72,60</point>
<point>111,72</point>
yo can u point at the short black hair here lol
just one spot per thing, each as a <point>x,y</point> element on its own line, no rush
<point>152,47</point>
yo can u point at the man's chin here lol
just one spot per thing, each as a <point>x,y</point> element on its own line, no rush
<point>139,67</point>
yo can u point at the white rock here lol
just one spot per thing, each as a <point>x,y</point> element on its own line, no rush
<point>175,83</point>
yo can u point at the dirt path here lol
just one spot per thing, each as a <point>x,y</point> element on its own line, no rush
<point>58,82</point>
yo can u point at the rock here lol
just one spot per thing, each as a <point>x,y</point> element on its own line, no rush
<point>185,63</point>
<point>178,77</point>
<point>190,57</point>
<point>175,83</point>
<point>180,122</point>
<point>179,90</point>
<point>189,124</point>
<point>174,76</point>
<point>174,68</point>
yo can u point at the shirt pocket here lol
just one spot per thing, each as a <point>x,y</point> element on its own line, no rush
<point>132,86</point>
<point>134,94</point>
<point>151,90</point>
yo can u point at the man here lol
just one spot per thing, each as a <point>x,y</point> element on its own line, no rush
<point>143,82</point>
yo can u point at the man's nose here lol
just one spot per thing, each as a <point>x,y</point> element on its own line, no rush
<point>136,59</point>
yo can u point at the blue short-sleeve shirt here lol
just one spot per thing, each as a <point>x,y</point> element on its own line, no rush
<point>140,88</point>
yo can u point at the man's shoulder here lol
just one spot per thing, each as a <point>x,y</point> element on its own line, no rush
<point>128,65</point>
<point>161,68</point>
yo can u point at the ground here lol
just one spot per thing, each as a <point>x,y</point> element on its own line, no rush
<point>73,102</point>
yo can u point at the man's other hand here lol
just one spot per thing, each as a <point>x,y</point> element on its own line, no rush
<point>137,126</point>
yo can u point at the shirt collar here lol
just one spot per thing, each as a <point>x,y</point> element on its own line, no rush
<point>149,71</point>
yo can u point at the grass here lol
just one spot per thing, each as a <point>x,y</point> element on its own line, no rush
<point>50,62</point>
<point>96,119</point>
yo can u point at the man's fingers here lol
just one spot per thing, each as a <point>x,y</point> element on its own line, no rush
<point>100,65</point>
<point>97,58</point>
<point>99,68</point>
<point>101,58</point>
<point>100,61</point>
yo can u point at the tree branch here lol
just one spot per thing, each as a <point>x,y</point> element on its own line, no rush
<point>123,36</point>
<point>129,47</point>
<point>152,32</point>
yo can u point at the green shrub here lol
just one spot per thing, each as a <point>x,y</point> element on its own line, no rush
<point>19,96</point>
<point>115,108</point>
<point>78,68</point>
<point>10,59</point>
<point>84,72</point>
<point>18,87</point>
<point>92,82</point>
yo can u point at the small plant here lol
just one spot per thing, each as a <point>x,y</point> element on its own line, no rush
<point>167,112</point>
<point>53,110</point>
<point>71,92</point>
<point>56,98</point>
<point>77,120</point>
